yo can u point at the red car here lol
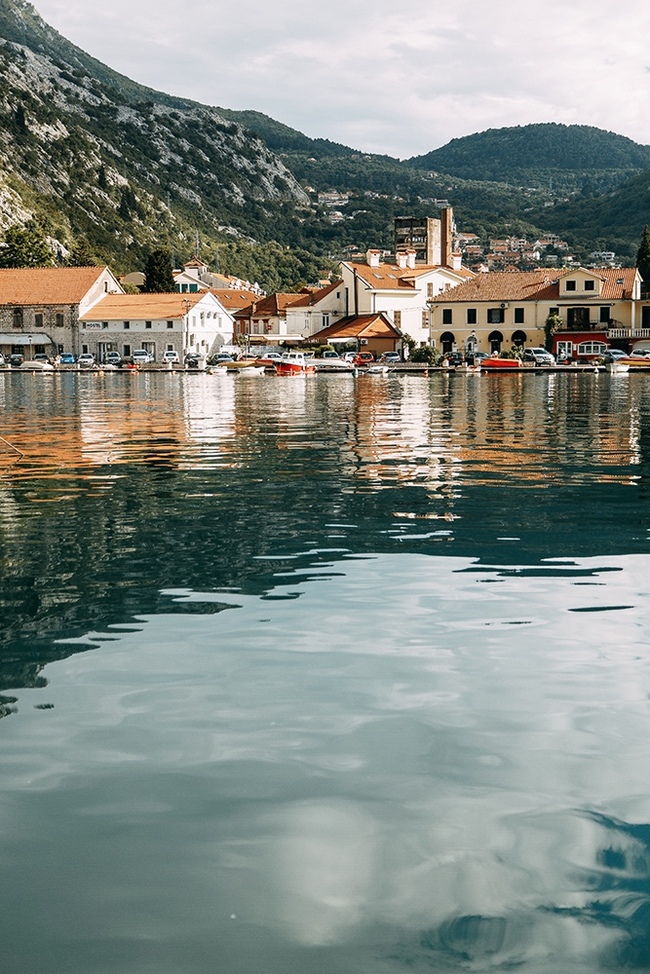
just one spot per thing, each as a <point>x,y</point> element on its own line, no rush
<point>364,358</point>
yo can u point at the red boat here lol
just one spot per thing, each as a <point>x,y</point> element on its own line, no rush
<point>500,363</point>
<point>294,363</point>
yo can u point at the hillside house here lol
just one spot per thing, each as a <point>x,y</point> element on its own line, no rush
<point>40,307</point>
<point>510,308</point>
<point>158,323</point>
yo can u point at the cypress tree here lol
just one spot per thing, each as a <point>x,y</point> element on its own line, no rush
<point>643,259</point>
<point>158,272</point>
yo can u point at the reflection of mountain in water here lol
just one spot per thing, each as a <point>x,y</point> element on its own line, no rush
<point>128,485</point>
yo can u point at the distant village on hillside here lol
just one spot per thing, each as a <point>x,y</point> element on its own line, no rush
<point>429,293</point>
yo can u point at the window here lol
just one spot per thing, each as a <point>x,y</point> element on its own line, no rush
<point>17,319</point>
<point>39,349</point>
<point>590,285</point>
<point>104,324</point>
<point>471,316</point>
<point>170,324</point>
<point>326,321</point>
<point>430,289</point>
<point>59,319</point>
<point>592,348</point>
<point>147,324</point>
<point>564,349</point>
<point>126,350</point>
<point>127,325</point>
<point>447,316</point>
<point>496,316</point>
<point>84,349</point>
<point>603,315</point>
<point>569,285</point>
<point>519,316</point>
<point>553,311</point>
<point>38,319</point>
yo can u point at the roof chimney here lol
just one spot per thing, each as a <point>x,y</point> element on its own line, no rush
<point>372,257</point>
<point>456,260</point>
<point>400,259</point>
<point>410,258</point>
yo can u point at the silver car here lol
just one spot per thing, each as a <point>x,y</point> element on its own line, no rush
<point>538,356</point>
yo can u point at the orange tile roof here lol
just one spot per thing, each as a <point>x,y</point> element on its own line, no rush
<point>142,306</point>
<point>392,277</point>
<point>371,326</point>
<point>271,306</point>
<point>46,285</point>
<point>233,299</point>
<point>538,285</point>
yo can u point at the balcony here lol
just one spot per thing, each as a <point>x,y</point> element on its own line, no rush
<point>617,329</point>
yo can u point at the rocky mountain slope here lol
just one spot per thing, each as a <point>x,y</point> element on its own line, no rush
<point>106,162</point>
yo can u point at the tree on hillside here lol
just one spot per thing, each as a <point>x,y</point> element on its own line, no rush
<point>158,272</point>
<point>81,256</point>
<point>643,258</point>
<point>25,247</point>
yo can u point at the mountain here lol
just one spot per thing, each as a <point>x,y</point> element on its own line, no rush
<point>113,168</point>
<point>101,159</point>
<point>568,156</point>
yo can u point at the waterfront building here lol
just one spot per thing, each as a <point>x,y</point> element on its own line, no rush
<point>40,307</point>
<point>590,307</point>
<point>400,289</point>
<point>184,323</point>
<point>291,317</point>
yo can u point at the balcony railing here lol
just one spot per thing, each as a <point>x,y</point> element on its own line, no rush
<point>618,330</point>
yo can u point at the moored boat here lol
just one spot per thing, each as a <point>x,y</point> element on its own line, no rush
<point>500,363</point>
<point>294,363</point>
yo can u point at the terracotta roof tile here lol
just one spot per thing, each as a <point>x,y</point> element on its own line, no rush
<point>375,326</point>
<point>538,285</point>
<point>46,285</point>
<point>142,307</point>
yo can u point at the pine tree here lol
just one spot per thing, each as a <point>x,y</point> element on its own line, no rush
<point>158,272</point>
<point>643,259</point>
<point>25,247</point>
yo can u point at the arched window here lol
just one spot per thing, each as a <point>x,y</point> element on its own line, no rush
<point>519,337</point>
<point>447,340</point>
<point>495,339</point>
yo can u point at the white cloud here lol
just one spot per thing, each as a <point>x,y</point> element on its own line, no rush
<point>382,79</point>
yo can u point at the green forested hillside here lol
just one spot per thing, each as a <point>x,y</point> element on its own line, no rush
<point>564,156</point>
<point>111,168</point>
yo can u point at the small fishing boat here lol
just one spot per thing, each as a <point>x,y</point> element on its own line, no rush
<point>500,364</point>
<point>377,369</point>
<point>249,370</point>
<point>294,363</point>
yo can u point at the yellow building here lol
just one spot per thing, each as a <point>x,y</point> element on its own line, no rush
<point>502,310</point>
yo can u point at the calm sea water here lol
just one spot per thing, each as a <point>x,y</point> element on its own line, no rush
<point>324,675</point>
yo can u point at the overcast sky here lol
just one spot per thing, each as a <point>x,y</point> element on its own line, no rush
<point>397,78</point>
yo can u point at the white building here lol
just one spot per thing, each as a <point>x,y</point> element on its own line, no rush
<point>401,290</point>
<point>158,323</point>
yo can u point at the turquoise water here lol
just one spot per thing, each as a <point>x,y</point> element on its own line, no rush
<point>324,675</point>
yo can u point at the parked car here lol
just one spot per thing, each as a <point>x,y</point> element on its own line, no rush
<point>329,354</point>
<point>454,358</point>
<point>170,358</point>
<point>389,357</point>
<point>349,356</point>
<point>42,357</point>
<point>221,358</point>
<point>16,360</point>
<point>113,358</point>
<point>538,356</point>
<point>86,360</point>
<point>194,361</point>
<point>364,358</point>
<point>67,358</point>
<point>141,357</point>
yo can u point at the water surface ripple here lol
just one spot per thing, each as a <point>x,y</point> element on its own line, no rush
<point>334,675</point>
